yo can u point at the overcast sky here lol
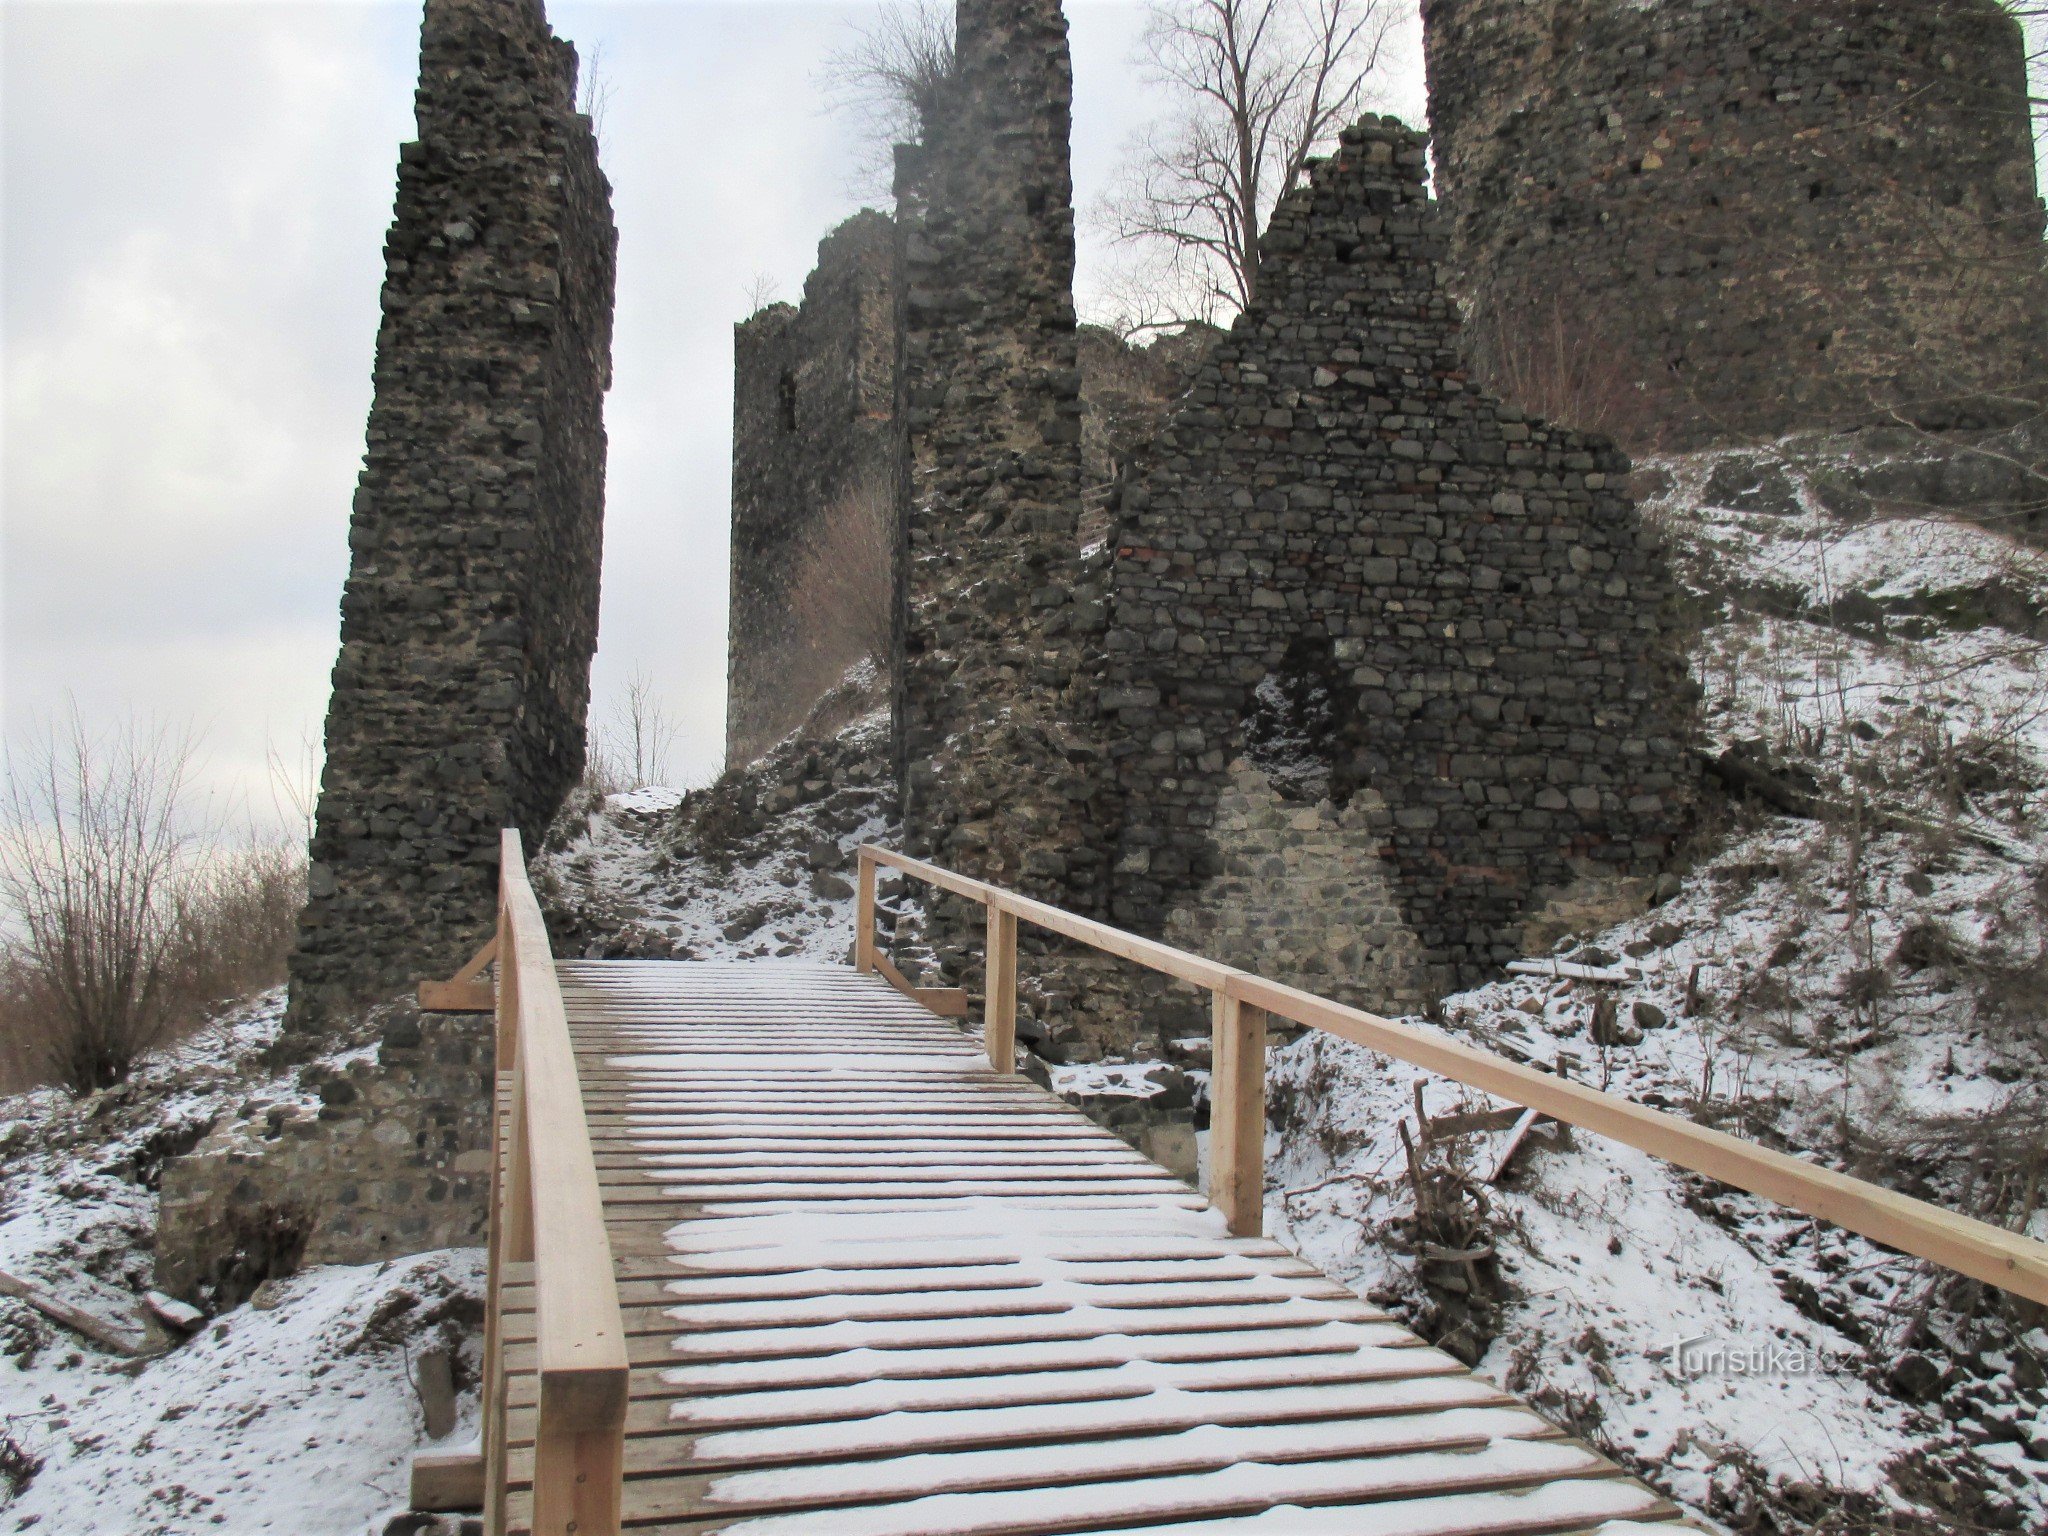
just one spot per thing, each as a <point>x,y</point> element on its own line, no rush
<point>195,197</point>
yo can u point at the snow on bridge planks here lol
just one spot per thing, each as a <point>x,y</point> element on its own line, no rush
<point>873,1288</point>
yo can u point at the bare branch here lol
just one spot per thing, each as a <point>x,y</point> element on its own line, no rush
<point>889,80</point>
<point>1260,87</point>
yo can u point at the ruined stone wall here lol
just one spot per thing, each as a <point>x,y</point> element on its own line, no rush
<point>383,1157</point>
<point>996,768</point>
<point>812,487</point>
<point>1385,675</point>
<point>470,613</point>
<point>1767,215</point>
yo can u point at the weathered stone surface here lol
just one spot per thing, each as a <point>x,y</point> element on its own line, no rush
<point>393,1161</point>
<point>1772,215</point>
<point>813,468</point>
<point>990,743</point>
<point>1385,670</point>
<point>470,613</point>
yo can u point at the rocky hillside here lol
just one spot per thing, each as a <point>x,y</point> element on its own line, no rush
<point>1853,964</point>
<point>1854,968</point>
<point>151,1420</point>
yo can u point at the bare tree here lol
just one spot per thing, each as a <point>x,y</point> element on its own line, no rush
<point>645,733</point>
<point>1260,87</point>
<point>762,291</point>
<point>92,844</point>
<point>890,78</point>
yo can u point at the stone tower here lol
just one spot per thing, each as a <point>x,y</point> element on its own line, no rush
<point>470,614</point>
<point>1773,215</point>
<point>813,486</point>
<point>994,605</point>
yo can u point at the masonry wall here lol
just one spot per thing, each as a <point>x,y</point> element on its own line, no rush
<point>996,769</point>
<point>1386,671</point>
<point>383,1157</point>
<point>1767,215</point>
<point>470,612</point>
<point>813,508</point>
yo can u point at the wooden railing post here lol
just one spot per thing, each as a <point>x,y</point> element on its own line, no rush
<point>1000,1005</point>
<point>864,915</point>
<point>494,1383</point>
<point>579,1456</point>
<point>1237,1115</point>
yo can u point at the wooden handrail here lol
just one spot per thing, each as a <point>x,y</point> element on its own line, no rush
<point>547,1211</point>
<point>1974,1248</point>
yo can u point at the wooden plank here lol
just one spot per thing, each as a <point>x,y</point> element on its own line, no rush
<point>864,913</point>
<point>119,1326</point>
<point>999,1026</point>
<point>1031,1416</point>
<point>946,1002</point>
<point>447,1481</point>
<point>457,997</point>
<point>1049,1507</point>
<point>581,1350</point>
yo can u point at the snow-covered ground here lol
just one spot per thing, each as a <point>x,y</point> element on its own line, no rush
<point>294,1413</point>
<point>1869,988</point>
<point>758,865</point>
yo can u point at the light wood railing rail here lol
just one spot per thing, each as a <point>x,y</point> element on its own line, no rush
<point>547,1212</point>
<point>1242,1002</point>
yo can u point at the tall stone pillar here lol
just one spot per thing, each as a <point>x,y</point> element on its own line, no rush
<point>996,604</point>
<point>470,613</point>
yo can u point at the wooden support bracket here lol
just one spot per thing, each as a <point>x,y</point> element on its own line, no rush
<point>462,992</point>
<point>946,1002</point>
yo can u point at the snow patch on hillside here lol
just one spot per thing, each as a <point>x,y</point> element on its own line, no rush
<point>1868,988</point>
<point>293,1413</point>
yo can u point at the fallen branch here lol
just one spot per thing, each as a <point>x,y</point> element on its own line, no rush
<point>1741,771</point>
<point>131,1337</point>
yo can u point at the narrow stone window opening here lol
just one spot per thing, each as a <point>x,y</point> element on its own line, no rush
<point>1291,731</point>
<point>785,391</point>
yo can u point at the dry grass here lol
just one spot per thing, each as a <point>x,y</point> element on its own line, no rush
<point>1541,356</point>
<point>843,589</point>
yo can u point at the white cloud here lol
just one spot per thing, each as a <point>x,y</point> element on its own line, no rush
<point>195,197</point>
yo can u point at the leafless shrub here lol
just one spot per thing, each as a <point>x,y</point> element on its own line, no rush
<point>1539,354</point>
<point>890,78</point>
<point>631,749</point>
<point>129,919</point>
<point>18,1464</point>
<point>843,584</point>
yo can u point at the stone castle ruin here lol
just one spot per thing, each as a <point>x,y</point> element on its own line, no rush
<point>467,628</point>
<point>813,486</point>
<point>470,614</point>
<point>1295,644</point>
<point>1387,659</point>
<point>1771,216</point>
<point>1348,682</point>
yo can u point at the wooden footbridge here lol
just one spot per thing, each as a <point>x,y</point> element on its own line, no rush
<point>779,1249</point>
